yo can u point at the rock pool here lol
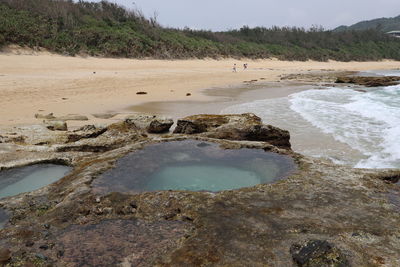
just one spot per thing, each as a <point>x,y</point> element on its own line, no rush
<point>193,166</point>
<point>25,179</point>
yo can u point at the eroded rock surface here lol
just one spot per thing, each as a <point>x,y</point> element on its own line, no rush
<point>113,242</point>
<point>233,127</point>
<point>324,213</point>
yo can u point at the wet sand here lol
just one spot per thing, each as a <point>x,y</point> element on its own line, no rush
<point>220,98</point>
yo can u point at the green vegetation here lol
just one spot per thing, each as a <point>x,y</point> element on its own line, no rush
<point>106,29</point>
<point>382,24</point>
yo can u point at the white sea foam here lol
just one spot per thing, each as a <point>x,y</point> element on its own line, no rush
<point>368,122</point>
<point>383,72</point>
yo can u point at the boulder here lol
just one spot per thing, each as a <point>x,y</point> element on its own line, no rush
<point>317,253</point>
<point>150,123</point>
<point>369,81</point>
<point>233,127</point>
<point>56,125</point>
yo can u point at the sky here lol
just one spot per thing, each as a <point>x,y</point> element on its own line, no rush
<point>232,14</point>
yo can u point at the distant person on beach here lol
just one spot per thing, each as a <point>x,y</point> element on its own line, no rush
<point>234,68</point>
<point>245,66</point>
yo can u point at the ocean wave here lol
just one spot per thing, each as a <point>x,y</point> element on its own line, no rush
<point>368,122</point>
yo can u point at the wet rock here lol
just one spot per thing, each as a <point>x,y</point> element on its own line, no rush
<point>317,253</point>
<point>150,123</point>
<point>57,125</point>
<point>5,255</point>
<point>233,127</point>
<point>369,81</point>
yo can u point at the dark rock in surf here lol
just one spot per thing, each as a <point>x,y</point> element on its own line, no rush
<point>369,81</point>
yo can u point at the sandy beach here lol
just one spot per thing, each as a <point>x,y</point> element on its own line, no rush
<point>46,83</point>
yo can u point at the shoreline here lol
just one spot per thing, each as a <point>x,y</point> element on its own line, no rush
<point>69,85</point>
<point>220,98</point>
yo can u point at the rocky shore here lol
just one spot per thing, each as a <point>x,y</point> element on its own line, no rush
<point>369,81</point>
<point>321,215</point>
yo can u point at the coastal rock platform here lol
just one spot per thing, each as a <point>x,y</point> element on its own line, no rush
<point>369,81</point>
<point>321,215</point>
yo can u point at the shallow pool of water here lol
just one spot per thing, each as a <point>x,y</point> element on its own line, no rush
<point>193,166</point>
<point>25,179</point>
<point>202,177</point>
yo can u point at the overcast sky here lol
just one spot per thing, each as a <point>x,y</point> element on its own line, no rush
<point>231,14</point>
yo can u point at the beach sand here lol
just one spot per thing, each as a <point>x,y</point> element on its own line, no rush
<point>47,83</point>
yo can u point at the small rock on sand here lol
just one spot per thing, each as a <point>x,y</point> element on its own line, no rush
<point>46,117</point>
<point>141,93</point>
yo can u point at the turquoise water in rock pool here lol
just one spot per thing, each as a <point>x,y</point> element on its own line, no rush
<point>25,179</point>
<point>193,166</point>
<point>202,177</point>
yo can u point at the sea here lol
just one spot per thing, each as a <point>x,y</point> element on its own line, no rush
<point>360,128</point>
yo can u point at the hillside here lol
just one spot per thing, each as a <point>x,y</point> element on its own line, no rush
<point>382,24</point>
<point>106,29</point>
